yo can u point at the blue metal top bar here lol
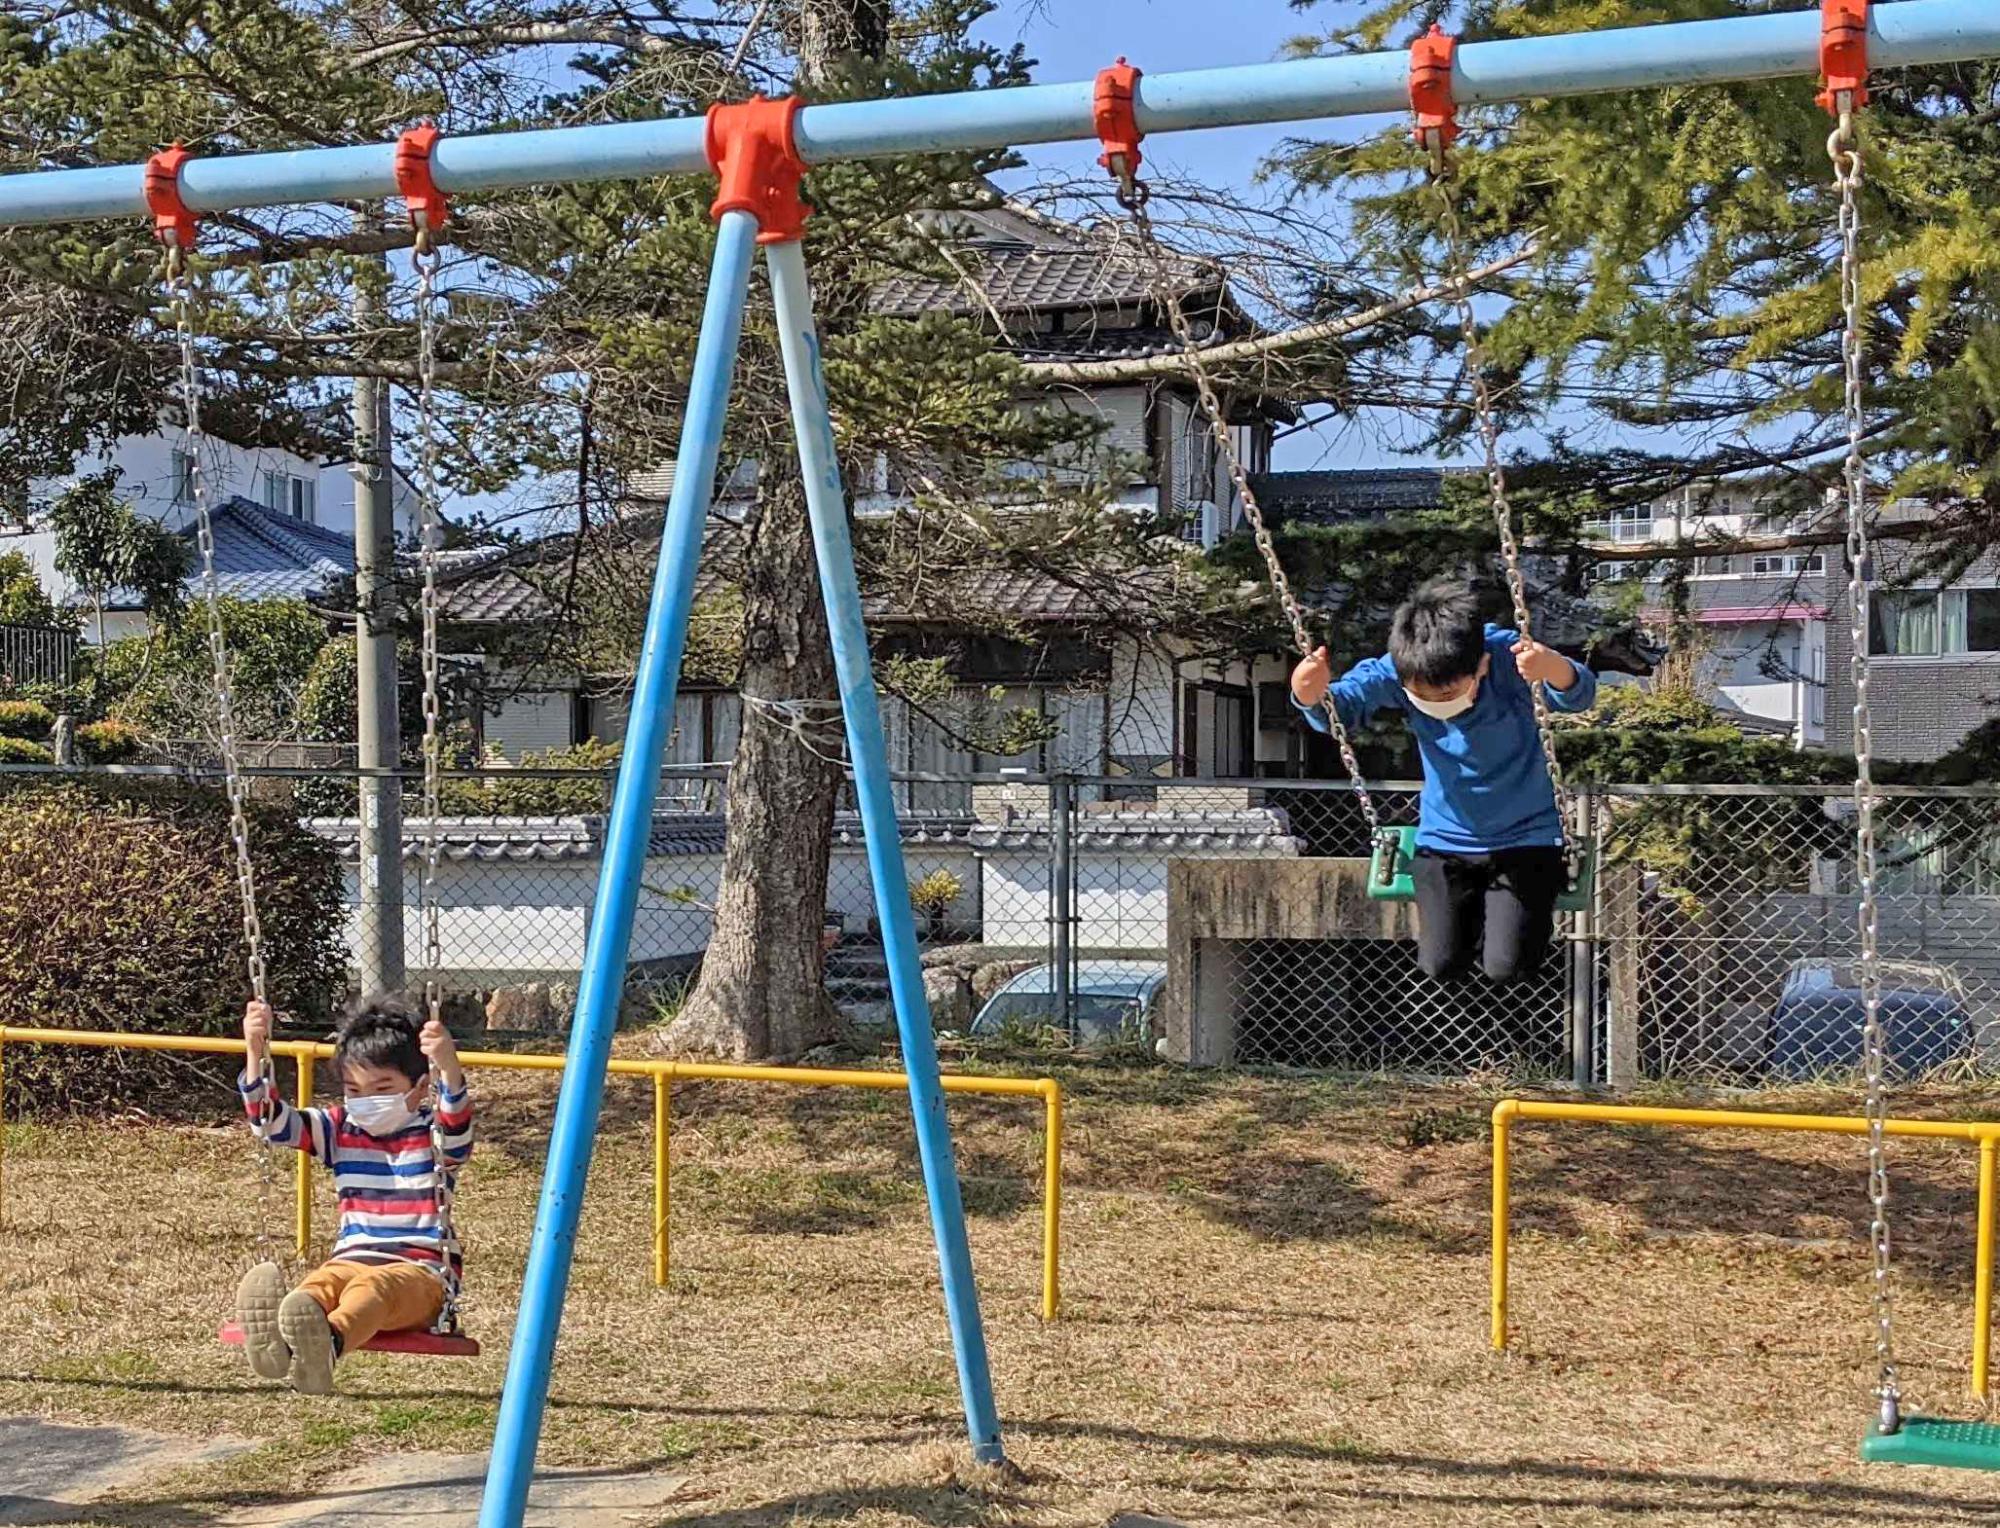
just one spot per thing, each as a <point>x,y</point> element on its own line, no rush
<point>1901,35</point>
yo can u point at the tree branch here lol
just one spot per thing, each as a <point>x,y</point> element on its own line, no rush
<point>531,35</point>
<point>1143,368</point>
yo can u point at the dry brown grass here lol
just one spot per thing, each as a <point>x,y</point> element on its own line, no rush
<point>1275,1313</point>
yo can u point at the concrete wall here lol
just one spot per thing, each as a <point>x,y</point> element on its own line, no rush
<point>1217,908</point>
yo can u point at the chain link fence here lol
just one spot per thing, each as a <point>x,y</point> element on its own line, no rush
<point>1724,932</point>
<point>1719,944</point>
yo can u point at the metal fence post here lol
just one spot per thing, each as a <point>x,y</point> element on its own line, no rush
<point>1062,823</point>
<point>1583,957</point>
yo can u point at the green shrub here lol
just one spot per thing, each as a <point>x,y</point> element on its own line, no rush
<point>501,796</point>
<point>163,684</point>
<point>110,742</point>
<point>16,750</point>
<point>119,910</point>
<point>28,719</point>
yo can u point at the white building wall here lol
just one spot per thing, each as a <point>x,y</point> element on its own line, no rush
<point>531,721</point>
<point>1144,695</point>
<point>149,479</point>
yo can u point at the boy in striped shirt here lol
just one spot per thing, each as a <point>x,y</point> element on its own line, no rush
<point>393,1262</point>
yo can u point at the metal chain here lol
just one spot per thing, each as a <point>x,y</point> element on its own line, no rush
<point>430,531</point>
<point>180,292</point>
<point>1133,195</point>
<point>1845,152</point>
<point>1458,267</point>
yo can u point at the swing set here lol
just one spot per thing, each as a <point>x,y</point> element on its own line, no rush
<point>176,227</point>
<point>760,151</point>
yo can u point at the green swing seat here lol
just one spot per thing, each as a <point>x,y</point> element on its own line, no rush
<point>1389,878</point>
<point>1935,1440</point>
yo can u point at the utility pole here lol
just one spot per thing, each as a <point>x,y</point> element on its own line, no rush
<point>378,733</point>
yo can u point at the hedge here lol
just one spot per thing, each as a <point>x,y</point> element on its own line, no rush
<point>28,719</point>
<point>119,910</point>
<point>111,742</point>
<point>16,750</point>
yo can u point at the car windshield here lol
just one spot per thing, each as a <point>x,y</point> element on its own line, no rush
<point>1098,1017</point>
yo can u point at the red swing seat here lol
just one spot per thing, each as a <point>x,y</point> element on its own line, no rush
<point>421,1344</point>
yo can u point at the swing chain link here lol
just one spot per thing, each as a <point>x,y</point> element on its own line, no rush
<point>180,289</point>
<point>1444,186</point>
<point>429,533</point>
<point>1843,148</point>
<point>1133,195</point>
<point>425,259</point>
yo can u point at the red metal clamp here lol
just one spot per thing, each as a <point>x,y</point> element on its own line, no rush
<point>428,208</point>
<point>1843,54</point>
<point>1431,89</point>
<point>1116,112</point>
<point>173,224</point>
<point>753,147</point>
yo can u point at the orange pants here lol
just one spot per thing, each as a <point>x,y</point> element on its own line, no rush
<point>361,1299</point>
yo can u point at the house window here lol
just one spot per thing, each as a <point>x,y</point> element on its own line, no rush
<point>294,497</point>
<point>1718,565</point>
<point>1930,624</point>
<point>183,469</point>
<point>1792,562</point>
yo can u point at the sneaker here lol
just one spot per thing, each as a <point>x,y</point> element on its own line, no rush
<point>257,1301</point>
<point>303,1325</point>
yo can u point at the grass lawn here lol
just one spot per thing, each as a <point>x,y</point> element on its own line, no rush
<point>1275,1312</point>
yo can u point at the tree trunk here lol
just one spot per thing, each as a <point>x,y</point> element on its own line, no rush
<point>762,991</point>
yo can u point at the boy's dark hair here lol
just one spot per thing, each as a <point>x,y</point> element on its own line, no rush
<point>381,1033</point>
<point>1438,634</point>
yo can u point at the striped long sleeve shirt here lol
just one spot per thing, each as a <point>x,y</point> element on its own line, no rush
<point>387,1186</point>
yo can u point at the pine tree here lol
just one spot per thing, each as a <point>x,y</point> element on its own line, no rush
<point>1683,300</point>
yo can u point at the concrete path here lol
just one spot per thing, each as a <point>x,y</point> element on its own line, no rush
<point>48,1472</point>
<point>442,1491</point>
<point>53,1474</point>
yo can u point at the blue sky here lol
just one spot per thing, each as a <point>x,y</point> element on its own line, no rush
<point>1073,39</point>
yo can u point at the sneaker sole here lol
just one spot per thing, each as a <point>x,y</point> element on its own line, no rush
<point>302,1324</point>
<point>257,1300</point>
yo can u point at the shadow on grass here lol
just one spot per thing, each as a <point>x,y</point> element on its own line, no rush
<point>1679,1183</point>
<point>1809,1496</point>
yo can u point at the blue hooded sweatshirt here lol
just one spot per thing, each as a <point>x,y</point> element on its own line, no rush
<point>1486,785</point>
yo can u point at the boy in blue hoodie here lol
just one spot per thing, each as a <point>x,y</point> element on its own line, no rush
<point>1489,863</point>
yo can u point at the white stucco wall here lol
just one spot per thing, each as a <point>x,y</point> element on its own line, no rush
<point>147,478</point>
<point>1143,695</point>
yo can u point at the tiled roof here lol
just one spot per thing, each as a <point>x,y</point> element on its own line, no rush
<point>263,555</point>
<point>1348,494</point>
<point>1255,830</point>
<point>520,840</point>
<point>1021,264</point>
<point>514,592</point>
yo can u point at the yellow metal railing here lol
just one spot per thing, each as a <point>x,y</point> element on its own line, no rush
<point>1985,1135</point>
<point>664,1075</point>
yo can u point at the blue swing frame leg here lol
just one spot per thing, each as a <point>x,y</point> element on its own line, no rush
<point>826,498</point>
<point>517,1431</point>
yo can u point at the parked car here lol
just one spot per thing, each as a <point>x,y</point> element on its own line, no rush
<point>1111,1001</point>
<point>1817,1026</point>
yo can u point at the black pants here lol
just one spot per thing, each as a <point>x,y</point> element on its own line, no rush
<point>1499,907</point>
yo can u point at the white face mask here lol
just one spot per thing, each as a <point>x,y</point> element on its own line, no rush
<point>381,1113</point>
<point>1444,710</point>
